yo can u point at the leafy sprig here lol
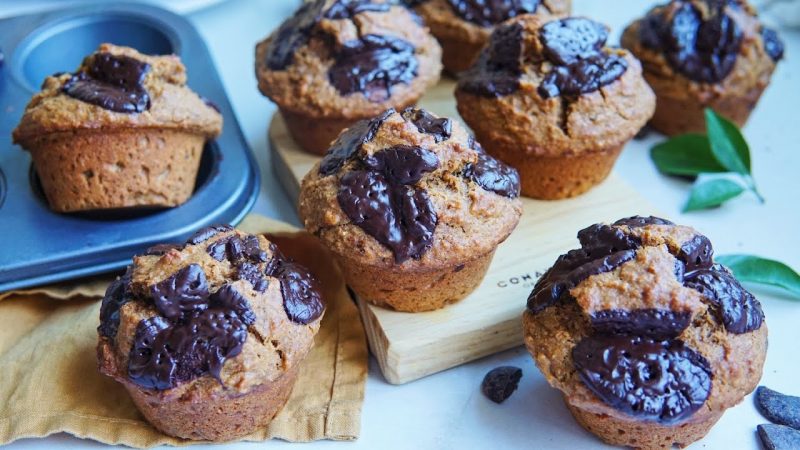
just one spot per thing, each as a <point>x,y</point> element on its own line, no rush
<point>755,269</point>
<point>719,161</point>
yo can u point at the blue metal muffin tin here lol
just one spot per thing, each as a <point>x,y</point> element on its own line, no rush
<point>40,246</point>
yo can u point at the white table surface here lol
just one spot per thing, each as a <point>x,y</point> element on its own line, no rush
<point>447,410</point>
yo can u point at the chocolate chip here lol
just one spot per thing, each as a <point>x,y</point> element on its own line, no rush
<point>438,127</point>
<point>654,323</point>
<point>696,253</point>
<point>253,274</point>
<point>662,381</point>
<point>739,311</point>
<point>349,143</point>
<point>500,383</point>
<point>234,249</point>
<point>301,296</point>
<point>207,233</point>
<point>383,202</point>
<point>773,44</point>
<point>491,12</point>
<point>639,221</point>
<point>493,175</point>
<point>778,408</point>
<point>346,9</point>
<point>575,47</point>
<point>112,82</point>
<point>703,50</point>
<point>779,437</point>
<point>184,291</point>
<point>497,71</point>
<point>373,64</point>
<point>117,294</point>
<point>228,298</point>
<point>603,249</point>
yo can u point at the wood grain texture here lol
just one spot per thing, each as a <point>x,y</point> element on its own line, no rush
<point>410,346</point>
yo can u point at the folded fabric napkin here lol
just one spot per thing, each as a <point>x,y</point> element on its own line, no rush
<point>49,381</point>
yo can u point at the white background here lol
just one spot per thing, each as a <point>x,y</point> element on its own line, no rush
<point>447,410</point>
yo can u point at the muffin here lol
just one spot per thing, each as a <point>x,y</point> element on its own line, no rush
<point>703,54</point>
<point>207,337</point>
<point>122,131</point>
<point>463,26</point>
<point>336,62</point>
<point>553,101</point>
<point>648,339</point>
<point>411,207</point>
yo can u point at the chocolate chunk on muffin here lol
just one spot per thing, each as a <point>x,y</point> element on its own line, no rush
<point>207,337</point>
<point>463,26</point>
<point>336,62</point>
<point>411,207</point>
<point>552,100</point>
<point>701,54</point>
<point>124,130</point>
<point>648,339</point>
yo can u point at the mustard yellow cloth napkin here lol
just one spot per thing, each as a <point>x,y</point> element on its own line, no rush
<point>49,381</point>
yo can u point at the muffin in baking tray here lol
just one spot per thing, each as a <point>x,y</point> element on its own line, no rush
<point>463,27</point>
<point>648,339</point>
<point>122,131</point>
<point>207,337</point>
<point>411,207</point>
<point>701,54</point>
<point>339,61</point>
<point>552,100</point>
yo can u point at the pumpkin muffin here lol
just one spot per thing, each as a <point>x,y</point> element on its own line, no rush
<point>411,207</point>
<point>553,101</point>
<point>122,131</point>
<point>701,54</point>
<point>648,339</point>
<point>336,62</point>
<point>463,27</point>
<point>207,336</point>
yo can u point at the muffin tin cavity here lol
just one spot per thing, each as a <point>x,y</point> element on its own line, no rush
<point>49,247</point>
<point>60,47</point>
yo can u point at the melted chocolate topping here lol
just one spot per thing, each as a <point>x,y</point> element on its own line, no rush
<point>603,249</point>
<point>497,71</point>
<point>654,323</point>
<point>773,44</point>
<point>639,221</point>
<point>372,65</point>
<point>301,297</point>
<point>207,233</point>
<point>349,143</point>
<point>383,202</point>
<point>575,47</point>
<point>184,292</point>
<point>657,380</point>
<point>702,50</point>
<point>493,175</point>
<point>347,9</point>
<point>491,12</point>
<point>293,34</point>
<point>117,294</point>
<point>439,128</point>
<point>112,82</point>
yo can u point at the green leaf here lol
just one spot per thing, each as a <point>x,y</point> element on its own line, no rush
<point>711,192</point>
<point>727,143</point>
<point>764,271</point>
<point>687,154</point>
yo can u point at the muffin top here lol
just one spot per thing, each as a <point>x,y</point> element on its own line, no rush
<point>410,188</point>
<point>640,321</point>
<point>472,20</point>
<point>223,313</point>
<point>705,42</point>
<point>118,88</point>
<point>557,86</point>
<point>348,59</point>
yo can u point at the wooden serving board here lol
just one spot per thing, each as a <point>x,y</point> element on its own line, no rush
<point>409,346</point>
